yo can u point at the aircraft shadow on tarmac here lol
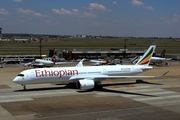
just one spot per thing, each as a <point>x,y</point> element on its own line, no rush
<point>101,89</point>
<point>97,88</point>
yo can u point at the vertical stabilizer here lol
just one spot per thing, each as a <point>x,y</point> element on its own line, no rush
<point>145,59</point>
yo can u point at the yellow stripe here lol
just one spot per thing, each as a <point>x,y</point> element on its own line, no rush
<point>145,60</point>
<point>148,58</point>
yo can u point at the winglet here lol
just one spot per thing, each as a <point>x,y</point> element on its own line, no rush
<point>80,64</point>
<point>145,59</point>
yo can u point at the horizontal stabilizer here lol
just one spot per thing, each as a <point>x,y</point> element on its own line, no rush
<point>164,73</point>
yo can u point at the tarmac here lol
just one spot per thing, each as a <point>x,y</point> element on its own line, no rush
<point>120,99</point>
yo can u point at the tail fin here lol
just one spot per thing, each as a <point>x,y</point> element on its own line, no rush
<point>53,61</point>
<point>145,59</point>
<point>163,53</point>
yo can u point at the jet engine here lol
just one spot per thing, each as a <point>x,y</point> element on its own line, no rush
<point>85,84</point>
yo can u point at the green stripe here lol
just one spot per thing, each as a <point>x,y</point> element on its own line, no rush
<point>147,54</point>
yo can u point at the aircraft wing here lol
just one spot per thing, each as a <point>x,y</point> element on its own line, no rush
<point>96,61</point>
<point>1,65</point>
<point>59,63</point>
<point>27,64</point>
<point>168,58</point>
<point>102,77</point>
<point>40,64</point>
<point>35,64</point>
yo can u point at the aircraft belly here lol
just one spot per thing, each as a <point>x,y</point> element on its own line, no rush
<point>121,73</point>
<point>124,74</point>
<point>48,80</point>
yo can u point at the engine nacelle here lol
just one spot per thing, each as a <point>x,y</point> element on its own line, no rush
<point>85,84</point>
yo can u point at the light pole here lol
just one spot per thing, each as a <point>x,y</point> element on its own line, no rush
<point>125,40</point>
<point>40,47</point>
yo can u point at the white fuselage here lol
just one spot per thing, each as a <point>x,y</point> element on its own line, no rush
<point>157,59</point>
<point>63,74</point>
<point>153,59</point>
<point>47,62</point>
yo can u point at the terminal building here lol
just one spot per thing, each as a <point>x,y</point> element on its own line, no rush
<point>70,55</point>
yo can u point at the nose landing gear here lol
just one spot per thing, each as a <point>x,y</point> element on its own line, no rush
<point>24,87</point>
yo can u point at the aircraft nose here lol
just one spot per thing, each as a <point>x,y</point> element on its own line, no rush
<point>16,80</point>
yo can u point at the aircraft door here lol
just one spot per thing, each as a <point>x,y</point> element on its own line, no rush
<point>31,75</point>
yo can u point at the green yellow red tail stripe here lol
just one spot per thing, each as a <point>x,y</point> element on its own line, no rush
<point>145,59</point>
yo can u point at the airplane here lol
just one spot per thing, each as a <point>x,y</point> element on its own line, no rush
<point>106,62</point>
<point>99,62</point>
<point>1,65</point>
<point>154,60</point>
<point>46,62</point>
<point>21,39</point>
<point>160,61</point>
<point>85,77</point>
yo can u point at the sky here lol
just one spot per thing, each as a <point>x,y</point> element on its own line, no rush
<point>125,18</point>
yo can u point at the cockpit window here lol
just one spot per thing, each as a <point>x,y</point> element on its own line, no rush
<point>22,75</point>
